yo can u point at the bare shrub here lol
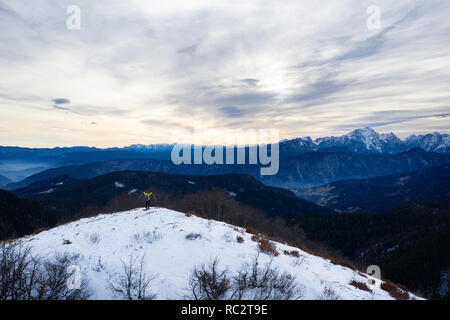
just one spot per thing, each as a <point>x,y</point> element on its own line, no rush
<point>329,294</point>
<point>152,236</point>
<point>240,239</point>
<point>298,261</point>
<point>24,276</point>
<point>100,266</point>
<point>227,236</point>
<point>268,247</point>
<point>53,281</point>
<point>149,236</point>
<point>360,285</point>
<point>293,253</point>
<point>137,237</point>
<point>265,283</point>
<point>193,236</point>
<point>133,283</point>
<point>251,282</point>
<point>94,238</point>
<point>17,268</point>
<point>208,282</point>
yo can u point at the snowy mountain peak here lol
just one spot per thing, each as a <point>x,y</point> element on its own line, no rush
<point>435,141</point>
<point>367,140</point>
<point>366,131</point>
<point>364,140</point>
<point>171,244</point>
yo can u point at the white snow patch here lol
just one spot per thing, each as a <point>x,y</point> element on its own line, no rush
<point>119,185</point>
<point>47,191</point>
<point>132,191</point>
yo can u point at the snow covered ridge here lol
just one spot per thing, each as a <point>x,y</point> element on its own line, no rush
<point>363,140</point>
<point>367,140</point>
<point>169,245</point>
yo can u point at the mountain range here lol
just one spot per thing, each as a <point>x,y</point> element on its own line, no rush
<point>4,181</point>
<point>301,171</point>
<point>364,140</point>
<point>428,186</point>
<point>17,163</point>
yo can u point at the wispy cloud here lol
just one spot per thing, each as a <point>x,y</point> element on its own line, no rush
<point>61,101</point>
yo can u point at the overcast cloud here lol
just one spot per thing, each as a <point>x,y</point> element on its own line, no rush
<point>140,69</point>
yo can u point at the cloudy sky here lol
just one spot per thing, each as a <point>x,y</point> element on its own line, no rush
<point>137,70</point>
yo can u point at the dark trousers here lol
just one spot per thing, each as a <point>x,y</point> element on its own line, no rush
<point>147,204</point>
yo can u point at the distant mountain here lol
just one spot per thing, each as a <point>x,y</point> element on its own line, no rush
<point>367,141</point>
<point>428,186</point>
<point>18,163</point>
<point>435,142</point>
<point>364,140</point>
<point>318,168</point>
<point>80,155</point>
<point>69,196</point>
<point>305,170</point>
<point>22,216</point>
<point>4,181</point>
<point>149,147</point>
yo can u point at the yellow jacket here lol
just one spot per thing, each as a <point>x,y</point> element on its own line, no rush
<point>147,195</point>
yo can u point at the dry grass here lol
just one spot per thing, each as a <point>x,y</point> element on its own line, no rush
<point>360,285</point>
<point>268,247</point>
<point>191,213</point>
<point>395,291</point>
<point>39,230</point>
<point>251,230</point>
<point>293,253</point>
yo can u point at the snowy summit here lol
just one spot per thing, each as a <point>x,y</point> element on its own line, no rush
<point>170,245</point>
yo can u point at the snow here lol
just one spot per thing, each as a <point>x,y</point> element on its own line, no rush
<point>191,182</point>
<point>172,257</point>
<point>232,194</point>
<point>47,191</point>
<point>119,185</point>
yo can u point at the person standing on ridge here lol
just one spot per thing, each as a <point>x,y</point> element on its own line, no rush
<point>147,197</point>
